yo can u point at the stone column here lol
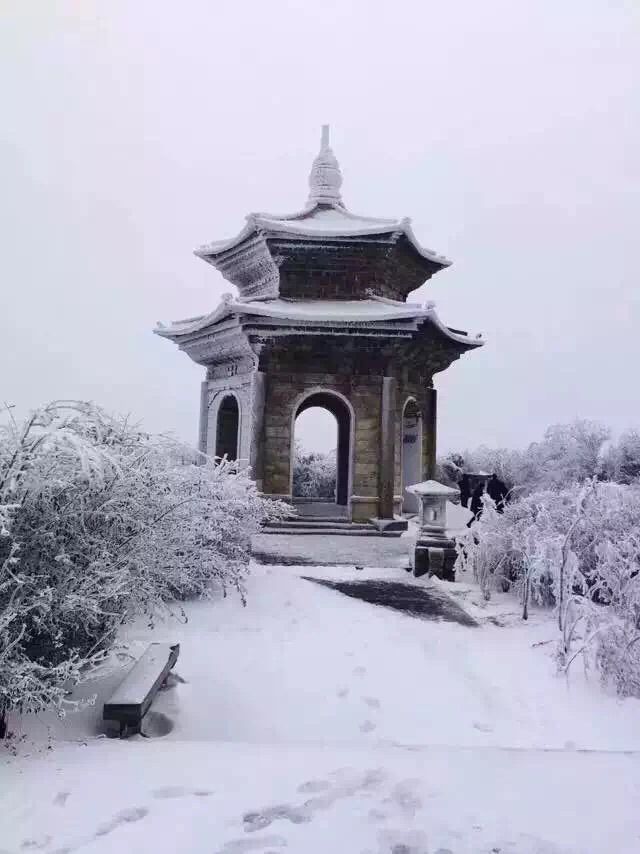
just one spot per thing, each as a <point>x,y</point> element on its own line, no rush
<point>386,476</point>
<point>203,424</point>
<point>429,428</point>
<point>256,454</point>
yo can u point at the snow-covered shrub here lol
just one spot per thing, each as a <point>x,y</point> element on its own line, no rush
<point>621,462</point>
<point>578,550</point>
<point>100,522</point>
<point>568,453</point>
<point>314,474</point>
<point>449,469</point>
<point>515,550</point>
<point>504,462</point>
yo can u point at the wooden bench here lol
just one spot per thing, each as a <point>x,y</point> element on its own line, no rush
<point>131,700</point>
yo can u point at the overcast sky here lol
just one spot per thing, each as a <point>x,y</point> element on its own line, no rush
<point>132,132</point>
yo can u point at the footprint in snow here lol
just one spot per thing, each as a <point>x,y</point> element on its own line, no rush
<point>403,842</point>
<point>166,792</point>
<point>405,795</point>
<point>342,693</point>
<point>359,671</point>
<point>169,792</point>
<point>61,799</point>
<point>259,820</point>
<point>372,702</point>
<point>122,817</point>
<point>35,844</point>
<point>367,726</point>
<point>482,727</point>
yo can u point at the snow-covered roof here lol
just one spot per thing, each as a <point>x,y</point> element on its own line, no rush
<point>321,221</point>
<point>324,216</point>
<point>320,312</point>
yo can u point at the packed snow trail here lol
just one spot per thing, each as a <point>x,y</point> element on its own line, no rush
<point>310,721</point>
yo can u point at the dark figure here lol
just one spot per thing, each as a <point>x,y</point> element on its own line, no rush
<point>497,489</point>
<point>476,503</point>
<point>465,490</point>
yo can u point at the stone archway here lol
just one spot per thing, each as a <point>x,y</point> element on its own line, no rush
<point>342,411</point>
<point>228,428</point>
<point>412,469</point>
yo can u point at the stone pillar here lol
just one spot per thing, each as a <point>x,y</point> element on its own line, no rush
<point>429,428</point>
<point>203,424</point>
<point>256,454</point>
<point>387,447</point>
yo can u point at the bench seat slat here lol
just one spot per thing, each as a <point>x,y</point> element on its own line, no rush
<point>131,700</point>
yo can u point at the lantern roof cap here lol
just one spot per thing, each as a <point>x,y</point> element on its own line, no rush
<point>432,487</point>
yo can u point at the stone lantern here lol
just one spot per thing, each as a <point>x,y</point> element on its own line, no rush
<point>435,552</point>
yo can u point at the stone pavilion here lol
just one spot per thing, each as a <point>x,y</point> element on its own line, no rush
<point>322,319</point>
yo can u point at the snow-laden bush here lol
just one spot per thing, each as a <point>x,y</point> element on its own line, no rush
<point>314,474</point>
<point>505,462</point>
<point>577,550</point>
<point>621,462</point>
<point>99,523</point>
<point>567,453</point>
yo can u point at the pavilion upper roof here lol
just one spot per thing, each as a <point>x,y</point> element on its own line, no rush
<point>288,255</point>
<point>319,220</point>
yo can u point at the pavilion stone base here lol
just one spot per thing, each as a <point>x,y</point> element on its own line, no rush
<point>398,523</point>
<point>435,557</point>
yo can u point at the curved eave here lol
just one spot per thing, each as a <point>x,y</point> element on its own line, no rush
<point>459,337</point>
<point>178,328</point>
<point>402,313</point>
<point>272,225</point>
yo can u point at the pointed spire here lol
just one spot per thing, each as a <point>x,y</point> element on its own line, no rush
<point>325,178</point>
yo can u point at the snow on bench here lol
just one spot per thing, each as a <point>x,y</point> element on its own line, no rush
<point>131,700</point>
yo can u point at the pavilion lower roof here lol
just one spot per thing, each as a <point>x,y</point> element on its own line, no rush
<point>202,336</point>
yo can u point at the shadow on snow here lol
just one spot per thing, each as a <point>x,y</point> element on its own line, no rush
<point>424,602</point>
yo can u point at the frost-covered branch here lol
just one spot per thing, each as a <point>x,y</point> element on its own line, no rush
<point>576,550</point>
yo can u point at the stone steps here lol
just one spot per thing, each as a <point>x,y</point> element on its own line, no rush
<point>337,532</point>
<point>326,527</point>
<point>298,522</point>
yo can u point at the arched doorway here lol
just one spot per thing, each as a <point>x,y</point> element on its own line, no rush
<point>315,455</point>
<point>411,454</point>
<point>227,428</point>
<point>340,409</point>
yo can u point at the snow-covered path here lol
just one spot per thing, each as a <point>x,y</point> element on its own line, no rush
<point>310,721</point>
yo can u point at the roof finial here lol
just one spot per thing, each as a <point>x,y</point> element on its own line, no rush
<point>325,178</point>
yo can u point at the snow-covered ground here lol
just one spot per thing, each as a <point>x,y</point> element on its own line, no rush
<point>310,721</point>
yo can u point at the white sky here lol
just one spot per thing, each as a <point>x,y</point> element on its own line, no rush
<point>317,430</point>
<point>132,132</point>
